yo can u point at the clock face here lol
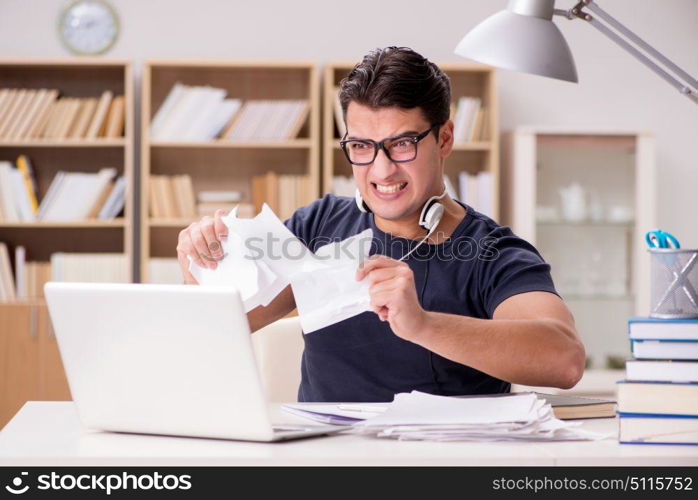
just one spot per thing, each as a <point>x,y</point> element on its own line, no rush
<point>88,26</point>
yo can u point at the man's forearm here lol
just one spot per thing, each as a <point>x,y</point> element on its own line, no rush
<point>261,316</point>
<point>540,352</point>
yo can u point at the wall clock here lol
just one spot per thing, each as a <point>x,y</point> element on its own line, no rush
<point>88,27</point>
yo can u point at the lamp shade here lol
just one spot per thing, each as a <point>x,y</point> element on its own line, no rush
<point>521,38</point>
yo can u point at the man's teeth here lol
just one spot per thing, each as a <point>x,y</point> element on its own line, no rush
<point>392,188</point>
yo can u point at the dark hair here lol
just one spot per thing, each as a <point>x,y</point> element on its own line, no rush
<point>400,77</point>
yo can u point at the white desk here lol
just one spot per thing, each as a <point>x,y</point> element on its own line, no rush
<point>49,433</point>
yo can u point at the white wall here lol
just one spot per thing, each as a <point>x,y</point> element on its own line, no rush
<point>615,90</point>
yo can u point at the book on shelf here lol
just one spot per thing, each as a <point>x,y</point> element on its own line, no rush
<point>171,196</point>
<point>97,123</point>
<point>44,114</point>
<point>283,193</point>
<point>657,429</point>
<point>193,113</point>
<point>68,118</point>
<point>211,196</point>
<point>476,191</point>
<point>648,328</point>
<point>20,272</point>
<point>7,281</point>
<point>18,189</point>
<point>116,118</point>
<point>90,267</point>
<point>11,111</point>
<point>25,167</point>
<point>469,120</point>
<point>338,114</point>
<point>244,210</point>
<point>211,200</point>
<point>82,121</point>
<point>115,202</point>
<point>268,120</point>
<point>75,196</point>
<point>11,200</point>
<point>29,277</point>
<point>651,370</point>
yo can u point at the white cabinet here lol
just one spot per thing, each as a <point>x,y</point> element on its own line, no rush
<point>585,200</point>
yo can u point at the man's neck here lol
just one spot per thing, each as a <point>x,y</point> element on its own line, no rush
<point>409,227</point>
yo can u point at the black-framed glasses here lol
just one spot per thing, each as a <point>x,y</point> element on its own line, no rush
<point>400,149</point>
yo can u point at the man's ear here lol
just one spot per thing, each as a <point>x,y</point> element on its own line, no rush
<point>446,138</point>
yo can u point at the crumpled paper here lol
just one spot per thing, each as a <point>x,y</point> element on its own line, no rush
<point>263,256</point>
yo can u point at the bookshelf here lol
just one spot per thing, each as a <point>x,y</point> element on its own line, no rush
<point>84,78</point>
<point>467,79</point>
<point>31,367</point>
<point>223,164</point>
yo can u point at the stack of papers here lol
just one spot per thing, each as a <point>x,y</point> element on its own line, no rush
<point>420,416</point>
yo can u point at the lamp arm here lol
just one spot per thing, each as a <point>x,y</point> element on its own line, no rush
<point>689,89</point>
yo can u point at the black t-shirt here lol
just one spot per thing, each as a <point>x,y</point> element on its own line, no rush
<point>470,274</point>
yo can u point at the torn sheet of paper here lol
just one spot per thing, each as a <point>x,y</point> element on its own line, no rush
<point>326,290</point>
<point>263,256</point>
<point>258,285</point>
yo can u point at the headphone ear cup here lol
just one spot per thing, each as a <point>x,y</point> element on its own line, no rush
<point>360,203</point>
<point>432,217</point>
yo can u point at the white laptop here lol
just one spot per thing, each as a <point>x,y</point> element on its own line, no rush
<point>163,359</point>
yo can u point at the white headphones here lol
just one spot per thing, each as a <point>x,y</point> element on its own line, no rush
<point>429,218</point>
<point>432,211</point>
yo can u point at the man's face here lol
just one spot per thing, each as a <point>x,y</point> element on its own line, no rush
<point>397,191</point>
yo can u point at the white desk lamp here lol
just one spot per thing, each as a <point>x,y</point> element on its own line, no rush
<point>524,38</point>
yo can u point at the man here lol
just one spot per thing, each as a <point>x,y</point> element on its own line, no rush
<point>470,311</point>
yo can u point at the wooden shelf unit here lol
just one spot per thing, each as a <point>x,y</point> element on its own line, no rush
<point>599,263</point>
<point>78,77</point>
<point>467,79</point>
<point>30,363</point>
<point>221,164</point>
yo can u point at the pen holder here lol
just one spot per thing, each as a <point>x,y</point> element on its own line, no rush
<point>674,283</point>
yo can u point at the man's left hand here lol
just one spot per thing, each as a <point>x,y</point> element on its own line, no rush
<point>394,295</point>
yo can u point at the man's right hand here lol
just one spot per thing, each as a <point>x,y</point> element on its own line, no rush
<point>202,242</point>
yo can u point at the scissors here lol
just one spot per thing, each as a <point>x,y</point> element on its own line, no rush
<point>656,238</point>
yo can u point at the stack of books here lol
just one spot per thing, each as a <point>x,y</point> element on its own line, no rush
<point>90,267</point>
<point>211,201</point>
<point>72,196</point>
<point>203,113</point>
<point>469,120</point>
<point>284,193</point>
<point>476,190</point>
<point>172,196</point>
<point>28,280</point>
<point>268,120</point>
<point>41,114</point>
<point>658,400</point>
